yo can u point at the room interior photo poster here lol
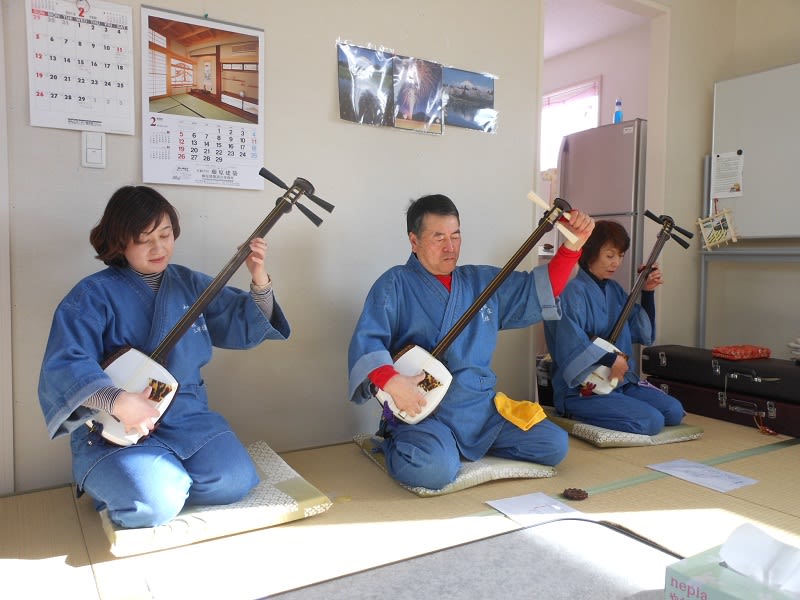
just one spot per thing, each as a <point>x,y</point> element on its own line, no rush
<point>202,102</point>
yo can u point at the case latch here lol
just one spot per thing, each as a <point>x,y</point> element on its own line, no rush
<point>746,408</point>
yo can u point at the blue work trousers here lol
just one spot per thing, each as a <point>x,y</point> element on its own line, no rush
<point>426,454</point>
<point>147,485</point>
<point>634,408</point>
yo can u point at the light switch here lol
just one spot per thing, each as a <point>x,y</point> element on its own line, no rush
<point>93,149</point>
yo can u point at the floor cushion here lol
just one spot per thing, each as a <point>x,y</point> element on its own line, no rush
<point>609,438</point>
<point>472,473</point>
<point>280,497</point>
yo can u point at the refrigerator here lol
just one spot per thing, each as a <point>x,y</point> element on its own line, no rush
<point>601,171</point>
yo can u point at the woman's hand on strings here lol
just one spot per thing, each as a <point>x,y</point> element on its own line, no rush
<point>255,261</point>
<point>654,279</point>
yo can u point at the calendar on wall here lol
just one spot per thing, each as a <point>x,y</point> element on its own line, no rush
<point>80,63</point>
<point>202,101</point>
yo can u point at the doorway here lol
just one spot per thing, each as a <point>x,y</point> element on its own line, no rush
<point>624,44</point>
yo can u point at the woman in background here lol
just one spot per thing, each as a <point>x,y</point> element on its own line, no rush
<point>192,456</point>
<point>591,304</point>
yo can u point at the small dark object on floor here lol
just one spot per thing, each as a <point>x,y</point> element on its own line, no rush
<point>575,494</point>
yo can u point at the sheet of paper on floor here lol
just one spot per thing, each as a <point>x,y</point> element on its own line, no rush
<point>710,477</point>
<point>533,509</point>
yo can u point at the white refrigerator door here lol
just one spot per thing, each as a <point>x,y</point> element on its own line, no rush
<point>601,170</point>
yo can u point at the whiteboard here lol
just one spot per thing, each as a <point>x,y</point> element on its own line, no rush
<point>759,114</point>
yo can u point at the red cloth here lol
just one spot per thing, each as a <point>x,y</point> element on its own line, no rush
<point>740,352</point>
<point>381,376</point>
<point>560,268</point>
<point>447,280</point>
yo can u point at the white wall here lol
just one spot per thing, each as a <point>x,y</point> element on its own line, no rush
<point>756,302</point>
<point>291,394</point>
<point>746,305</point>
<point>6,413</point>
<point>622,62</point>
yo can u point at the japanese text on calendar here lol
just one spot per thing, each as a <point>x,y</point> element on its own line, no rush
<point>80,63</point>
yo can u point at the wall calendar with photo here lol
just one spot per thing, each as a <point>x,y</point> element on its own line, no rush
<point>202,101</point>
<point>80,65</point>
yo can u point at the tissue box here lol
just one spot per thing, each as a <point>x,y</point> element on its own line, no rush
<point>703,577</point>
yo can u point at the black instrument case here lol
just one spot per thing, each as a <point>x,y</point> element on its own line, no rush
<point>761,392</point>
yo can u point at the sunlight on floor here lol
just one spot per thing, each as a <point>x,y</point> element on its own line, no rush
<point>51,577</point>
<point>713,526</point>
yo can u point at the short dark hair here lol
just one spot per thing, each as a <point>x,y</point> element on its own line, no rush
<point>604,232</point>
<point>129,212</point>
<point>436,204</point>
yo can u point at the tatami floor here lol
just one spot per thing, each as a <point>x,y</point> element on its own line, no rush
<point>52,546</point>
<point>186,105</point>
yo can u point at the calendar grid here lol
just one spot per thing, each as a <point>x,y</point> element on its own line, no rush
<point>80,60</point>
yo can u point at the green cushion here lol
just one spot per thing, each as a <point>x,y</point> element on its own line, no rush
<point>608,438</point>
<point>489,468</point>
<point>280,497</point>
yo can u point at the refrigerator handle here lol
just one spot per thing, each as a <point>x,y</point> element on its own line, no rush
<point>562,164</point>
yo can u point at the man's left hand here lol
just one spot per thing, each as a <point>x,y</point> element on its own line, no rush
<point>582,226</point>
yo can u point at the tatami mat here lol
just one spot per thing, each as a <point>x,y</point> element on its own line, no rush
<point>684,517</point>
<point>190,106</point>
<point>779,469</point>
<point>50,542</point>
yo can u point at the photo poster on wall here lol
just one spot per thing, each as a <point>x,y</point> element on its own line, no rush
<point>366,94</point>
<point>417,95</point>
<point>380,88</point>
<point>469,100</point>
<point>202,101</point>
<point>80,65</point>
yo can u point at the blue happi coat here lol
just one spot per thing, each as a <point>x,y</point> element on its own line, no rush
<point>115,308</point>
<point>590,310</point>
<point>407,305</point>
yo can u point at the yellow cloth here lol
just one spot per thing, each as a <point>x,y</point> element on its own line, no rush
<point>522,413</point>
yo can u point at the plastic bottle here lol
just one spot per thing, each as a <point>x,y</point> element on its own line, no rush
<point>618,111</point>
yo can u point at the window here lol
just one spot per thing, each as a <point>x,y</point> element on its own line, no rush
<point>240,66</point>
<point>182,73</point>
<point>566,111</point>
<point>157,74</point>
<point>157,38</point>
<point>156,80</point>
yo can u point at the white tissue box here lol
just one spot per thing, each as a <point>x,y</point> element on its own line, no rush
<point>703,577</point>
